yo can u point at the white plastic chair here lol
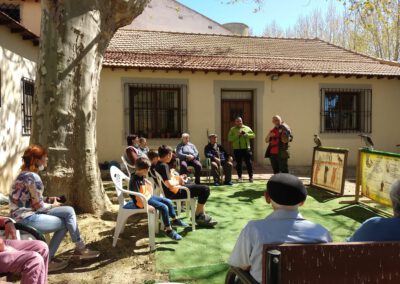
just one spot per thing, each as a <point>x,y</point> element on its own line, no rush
<point>117,177</point>
<point>190,202</point>
<point>128,167</point>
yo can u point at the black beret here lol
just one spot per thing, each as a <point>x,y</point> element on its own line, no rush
<point>286,189</point>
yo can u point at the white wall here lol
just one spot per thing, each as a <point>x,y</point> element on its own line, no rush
<point>297,99</point>
<point>17,60</point>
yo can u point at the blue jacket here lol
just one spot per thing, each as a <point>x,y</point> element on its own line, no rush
<point>183,150</point>
<point>219,152</point>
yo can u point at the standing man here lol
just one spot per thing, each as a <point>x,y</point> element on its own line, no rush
<point>218,156</point>
<point>188,156</point>
<point>240,136</point>
<point>278,147</point>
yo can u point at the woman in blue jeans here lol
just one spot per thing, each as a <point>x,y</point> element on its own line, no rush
<point>46,214</point>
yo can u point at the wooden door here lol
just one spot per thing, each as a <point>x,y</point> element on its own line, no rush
<point>230,109</point>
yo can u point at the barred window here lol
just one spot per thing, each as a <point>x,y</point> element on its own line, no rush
<point>27,100</point>
<point>157,111</point>
<point>13,11</point>
<point>346,110</point>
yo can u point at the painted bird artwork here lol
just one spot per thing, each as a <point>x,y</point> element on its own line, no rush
<point>317,141</point>
<point>367,140</point>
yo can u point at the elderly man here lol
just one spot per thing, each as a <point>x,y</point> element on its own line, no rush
<point>240,135</point>
<point>219,158</point>
<point>188,156</point>
<point>286,193</point>
<point>30,258</point>
<point>379,228</point>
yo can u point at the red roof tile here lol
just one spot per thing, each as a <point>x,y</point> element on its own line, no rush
<point>182,51</point>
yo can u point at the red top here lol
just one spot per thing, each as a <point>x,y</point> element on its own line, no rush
<point>274,141</point>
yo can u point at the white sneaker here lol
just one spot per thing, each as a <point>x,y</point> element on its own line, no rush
<point>240,180</point>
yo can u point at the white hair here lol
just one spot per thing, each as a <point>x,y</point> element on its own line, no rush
<point>395,197</point>
<point>185,135</point>
<point>278,118</point>
<point>284,207</point>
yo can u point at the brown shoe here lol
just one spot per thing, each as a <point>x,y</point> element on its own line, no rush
<point>86,253</point>
<point>57,264</point>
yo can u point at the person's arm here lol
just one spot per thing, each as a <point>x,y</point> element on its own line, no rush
<point>207,152</point>
<point>9,228</point>
<point>179,152</point>
<point>249,133</point>
<point>163,171</point>
<point>195,152</point>
<point>233,135</point>
<point>240,256</point>
<point>131,154</point>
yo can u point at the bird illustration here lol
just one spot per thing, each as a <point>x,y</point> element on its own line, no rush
<point>367,140</point>
<point>317,141</point>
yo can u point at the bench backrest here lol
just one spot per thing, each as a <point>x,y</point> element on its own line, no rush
<point>367,262</point>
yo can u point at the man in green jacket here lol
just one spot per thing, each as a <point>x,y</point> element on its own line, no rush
<point>240,136</point>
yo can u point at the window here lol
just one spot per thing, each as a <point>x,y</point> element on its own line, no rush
<point>157,111</point>
<point>11,10</point>
<point>27,100</point>
<point>346,110</point>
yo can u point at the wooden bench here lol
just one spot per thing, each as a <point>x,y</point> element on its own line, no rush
<point>331,263</point>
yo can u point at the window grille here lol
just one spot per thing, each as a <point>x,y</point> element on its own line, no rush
<point>27,100</point>
<point>346,110</point>
<point>12,10</point>
<point>157,111</point>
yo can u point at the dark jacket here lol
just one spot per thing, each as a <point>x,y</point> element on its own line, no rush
<point>219,152</point>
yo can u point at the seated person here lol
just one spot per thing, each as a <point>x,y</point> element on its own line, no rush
<point>143,149</point>
<point>29,258</point>
<point>379,228</point>
<point>30,207</point>
<point>286,193</point>
<point>218,156</point>
<point>171,191</point>
<point>154,158</point>
<point>131,151</point>
<point>188,156</point>
<point>139,183</point>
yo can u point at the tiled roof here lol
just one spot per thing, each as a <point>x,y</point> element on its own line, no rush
<point>221,53</point>
<point>16,27</point>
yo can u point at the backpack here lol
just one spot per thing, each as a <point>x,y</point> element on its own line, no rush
<point>288,131</point>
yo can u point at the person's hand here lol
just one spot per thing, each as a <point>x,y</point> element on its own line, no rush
<point>55,203</point>
<point>9,231</point>
<point>217,160</point>
<point>151,209</point>
<point>8,248</point>
<point>190,157</point>
<point>272,134</point>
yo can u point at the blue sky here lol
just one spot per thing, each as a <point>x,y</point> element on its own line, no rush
<point>284,12</point>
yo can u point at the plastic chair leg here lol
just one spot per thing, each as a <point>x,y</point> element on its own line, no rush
<point>193,211</point>
<point>118,229</point>
<point>151,223</point>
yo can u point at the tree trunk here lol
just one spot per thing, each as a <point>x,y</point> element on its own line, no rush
<point>74,37</point>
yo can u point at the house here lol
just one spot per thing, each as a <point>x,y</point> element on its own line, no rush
<point>18,55</point>
<point>160,84</point>
<point>164,83</point>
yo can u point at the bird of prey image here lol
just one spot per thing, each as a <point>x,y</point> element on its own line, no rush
<point>317,141</point>
<point>367,140</point>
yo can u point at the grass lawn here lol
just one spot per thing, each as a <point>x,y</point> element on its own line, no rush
<point>201,256</point>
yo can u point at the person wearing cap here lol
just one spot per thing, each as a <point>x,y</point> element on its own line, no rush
<point>219,158</point>
<point>380,228</point>
<point>286,193</point>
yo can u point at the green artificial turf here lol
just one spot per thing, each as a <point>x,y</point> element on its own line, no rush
<point>201,256</point>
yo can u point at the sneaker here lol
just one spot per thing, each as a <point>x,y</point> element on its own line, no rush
<point>217,184</point>
<point>86,253</point>
<point>240,180</point>
<point>173,235</point>
<point>57,264</point>
<point>228,183</point>
<point>251,179</point>
<point>179,223</point>
<point>205,220</point>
